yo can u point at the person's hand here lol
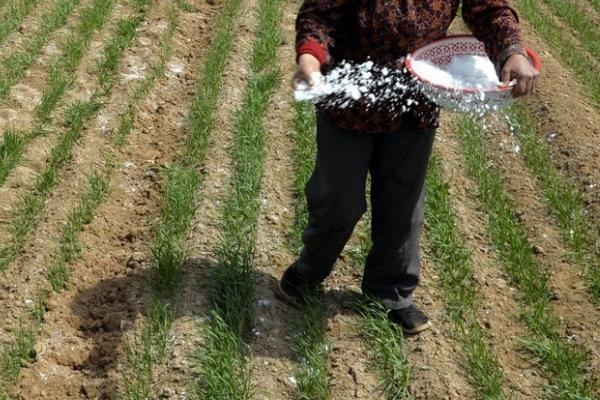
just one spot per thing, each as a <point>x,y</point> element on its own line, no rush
<point>307,66</point>
<point>519,67</point>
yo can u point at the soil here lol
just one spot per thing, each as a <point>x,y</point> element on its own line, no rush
<point>569,123</point>
<point>572,301</point>
<point>80,346</point>
<point>85,328</point>
<point>499,312</point>
<point>192,300</point>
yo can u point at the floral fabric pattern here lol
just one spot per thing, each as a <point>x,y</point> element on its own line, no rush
<point>384,31</point>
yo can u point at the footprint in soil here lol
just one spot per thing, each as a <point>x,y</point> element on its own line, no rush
<point>106,311</point>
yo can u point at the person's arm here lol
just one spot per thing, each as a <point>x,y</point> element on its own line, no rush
<point>496,24</point>
<point>315,25</point>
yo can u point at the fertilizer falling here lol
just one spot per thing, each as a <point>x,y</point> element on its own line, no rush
<point>393,89</point>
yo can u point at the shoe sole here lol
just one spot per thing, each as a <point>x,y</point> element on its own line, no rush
<point>282,295</point>
<point>418,329</point>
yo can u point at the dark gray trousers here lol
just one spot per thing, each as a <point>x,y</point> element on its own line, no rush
<point>336,200</point>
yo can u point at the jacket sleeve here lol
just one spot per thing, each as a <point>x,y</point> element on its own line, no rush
<point>315,27</point>
<point>496,24</point>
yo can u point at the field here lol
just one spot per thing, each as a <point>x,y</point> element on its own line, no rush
<point>152,165</point>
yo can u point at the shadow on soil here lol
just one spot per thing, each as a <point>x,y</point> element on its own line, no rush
<point>108,310</point>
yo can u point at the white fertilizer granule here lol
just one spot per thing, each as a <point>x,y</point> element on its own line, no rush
<point>349,82</point>
<point>395,90</point>
<point>463,72</point>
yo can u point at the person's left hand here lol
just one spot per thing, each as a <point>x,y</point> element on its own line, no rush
<point>519,67</point>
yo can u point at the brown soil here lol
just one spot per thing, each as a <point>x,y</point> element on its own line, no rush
<point>16,111</point>
<point>499,313</point>
<point>81,350</point>
<point>35,156</point>
<point>192,300</point>
<point>274,363</point>
<point>80,353</point>
<point>589,10</point>
<point>571,298</point>
<point>24,284</point>
<point>28,27</point>
<point>568,122</point>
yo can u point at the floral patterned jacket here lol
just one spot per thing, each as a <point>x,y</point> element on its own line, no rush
<point>385,31</point>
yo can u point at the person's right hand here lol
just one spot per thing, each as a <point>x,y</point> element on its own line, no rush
<point>307,66</point>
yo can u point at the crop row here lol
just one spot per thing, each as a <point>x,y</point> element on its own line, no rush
<point>32,204</point>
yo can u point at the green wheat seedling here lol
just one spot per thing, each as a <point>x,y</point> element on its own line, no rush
<point>454,264</point>
<point>16,14</point>
<point>305,150</point>
<point>157,71</point>
<point>586,71</point>
<point>32,203</point>
<point>12,355</point>
<point>311,347</point>
<point>185,6</point>
<point>69,249</point>
<point>168,247</point>
<point>11,150</point>
<point>2,4</point>
<point>223,352</point>
<point>564,202</point>
<point>388,354</point>
<point>587,31</point>
<point>63,67</point>
<point>20,350</point>
<point>13,66</point>
<point>179,190</point>
<point>232,282</point>
<point>569,380</point>
<point>60,72</point>
<point>150,349</point>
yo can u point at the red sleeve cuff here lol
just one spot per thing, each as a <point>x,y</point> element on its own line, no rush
<point>313,48</point>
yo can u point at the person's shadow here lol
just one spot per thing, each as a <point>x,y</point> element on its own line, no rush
<point>109,309</point>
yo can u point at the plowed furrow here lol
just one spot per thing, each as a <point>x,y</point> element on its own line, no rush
<point>192,299</point>
<point>16,13</point>
<point>515,251</point>
<point>77,115</point>
<point>111,277</point>
<point>567,279</point>
<point>14,66</point>
<point>274,366</point>
<point>498,312</point>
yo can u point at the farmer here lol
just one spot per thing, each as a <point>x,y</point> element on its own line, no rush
<point>394,148</point>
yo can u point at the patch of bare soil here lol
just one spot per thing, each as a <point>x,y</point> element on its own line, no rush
<point>571,299</point>
<point>20,287</point>
<point>28,27</point>
<point>85,327</point>
<point>568,122</point>
<point>499,313</point>
<point>17,109</point>
<point>36,154</point>
<point>273,365</point>
<point>193,301</point>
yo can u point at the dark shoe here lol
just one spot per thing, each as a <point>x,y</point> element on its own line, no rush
<point>292,287</point>
<point>411,319</point>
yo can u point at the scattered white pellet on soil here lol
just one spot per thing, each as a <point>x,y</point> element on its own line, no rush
<point>176,68</point>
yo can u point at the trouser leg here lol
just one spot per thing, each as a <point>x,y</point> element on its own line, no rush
<point>398,172</point>
<point>335,195</point>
